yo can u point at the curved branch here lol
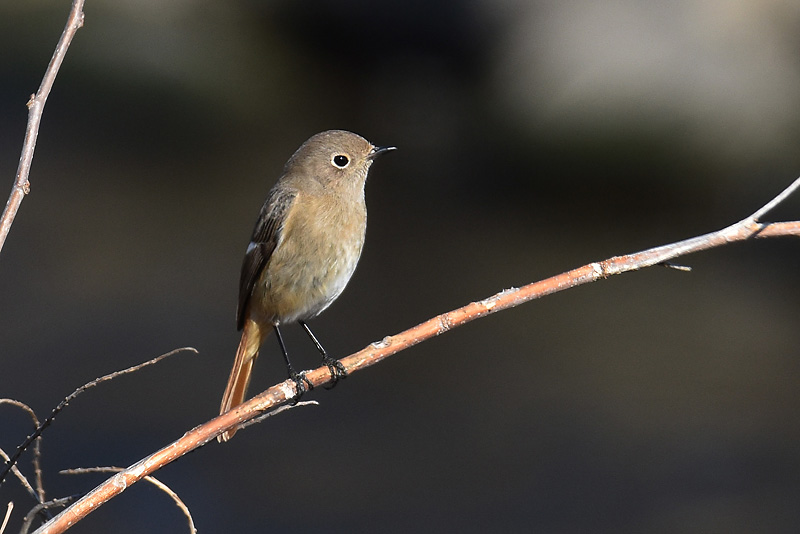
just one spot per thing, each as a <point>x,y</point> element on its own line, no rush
<point>35,109</point>
<point>36,510</point>
<point>34,437</point>
<point>37,455</point>
<point>153,480</point>
<point>9,509</point>
<point>376,352</point>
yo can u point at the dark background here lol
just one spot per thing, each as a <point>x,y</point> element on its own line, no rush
<point>534,137</point>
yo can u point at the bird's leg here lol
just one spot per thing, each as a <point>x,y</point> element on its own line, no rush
<point>301,383</point>
<point>335,367</point>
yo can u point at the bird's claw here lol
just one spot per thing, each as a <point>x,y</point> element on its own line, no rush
<point>336,369</point>
<point>302,385</point>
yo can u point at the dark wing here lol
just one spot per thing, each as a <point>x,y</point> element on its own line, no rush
<point>266,236</point>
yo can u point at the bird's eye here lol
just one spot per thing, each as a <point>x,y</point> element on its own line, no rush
<point>340,160</point>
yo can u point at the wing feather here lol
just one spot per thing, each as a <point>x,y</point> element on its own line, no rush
<point>266,236</point>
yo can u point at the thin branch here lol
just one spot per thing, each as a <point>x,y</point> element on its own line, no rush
<point>30,516</point>
<point>17,473</point>
<point>376,352</point>
<point>35,110</point>
<point>37,448</point>
<point>153,480</point>
<point>276,411</point>
<point>9,508</point>
<point>769,206</point>
<point>63,404</point>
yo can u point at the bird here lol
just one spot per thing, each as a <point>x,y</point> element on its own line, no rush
<point>303,251</point>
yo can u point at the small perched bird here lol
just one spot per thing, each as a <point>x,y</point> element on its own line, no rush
<point>305,246</point>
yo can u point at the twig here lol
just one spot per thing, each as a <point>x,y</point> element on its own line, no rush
<point>276,411</point>
<point>35,109</point>
<point>37,445</point>
<point>63,404</point>
<point>376,352</point>
<point>20,476</point>
<point>772,204</point>
<point>29,517</point>
<point>9,508</point>
<point>153,480</point>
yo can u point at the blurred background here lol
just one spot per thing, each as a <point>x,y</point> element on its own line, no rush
<point>534,137</point>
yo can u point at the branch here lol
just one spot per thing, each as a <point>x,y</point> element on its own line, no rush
<point>22,480</point>
<point>276,411</point>
<point>35,109</point>
<point>11,462</point>
<point>378,351</point>
<point>153,480</point>
<point>37,454</point>
<point>36,510</point>
<point>9,508</point>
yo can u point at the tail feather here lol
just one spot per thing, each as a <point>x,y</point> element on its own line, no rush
<point>246,355</point>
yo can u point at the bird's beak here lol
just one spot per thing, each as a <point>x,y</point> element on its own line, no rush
<point>378,150</point>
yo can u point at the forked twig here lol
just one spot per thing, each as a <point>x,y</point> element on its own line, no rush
<point>37,451</point>
<point>376,352</point>
<point>63,404</point>
<point>17,473</point>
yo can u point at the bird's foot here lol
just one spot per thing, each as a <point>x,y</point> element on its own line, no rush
<point>302,385</point>
<point>336,369</point>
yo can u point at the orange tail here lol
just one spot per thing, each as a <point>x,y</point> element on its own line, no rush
<point>246,355</point>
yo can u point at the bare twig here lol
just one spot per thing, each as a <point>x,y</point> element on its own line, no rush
<point>17,473</point>
<point>37,445</point>
<point>35,109</point>
<point>772,204</point>
<point>153,480</point>
<point>9,508</point>
<point>276,411</point>
<point>29,517</point>
<point>63,404</point>
<point>376,352</point>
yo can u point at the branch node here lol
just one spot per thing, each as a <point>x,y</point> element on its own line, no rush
<point>599,270</point>
<point>382,344</point>
<point>445,323</point>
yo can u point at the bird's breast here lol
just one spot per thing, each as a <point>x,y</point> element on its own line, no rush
<point>320,245</point>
